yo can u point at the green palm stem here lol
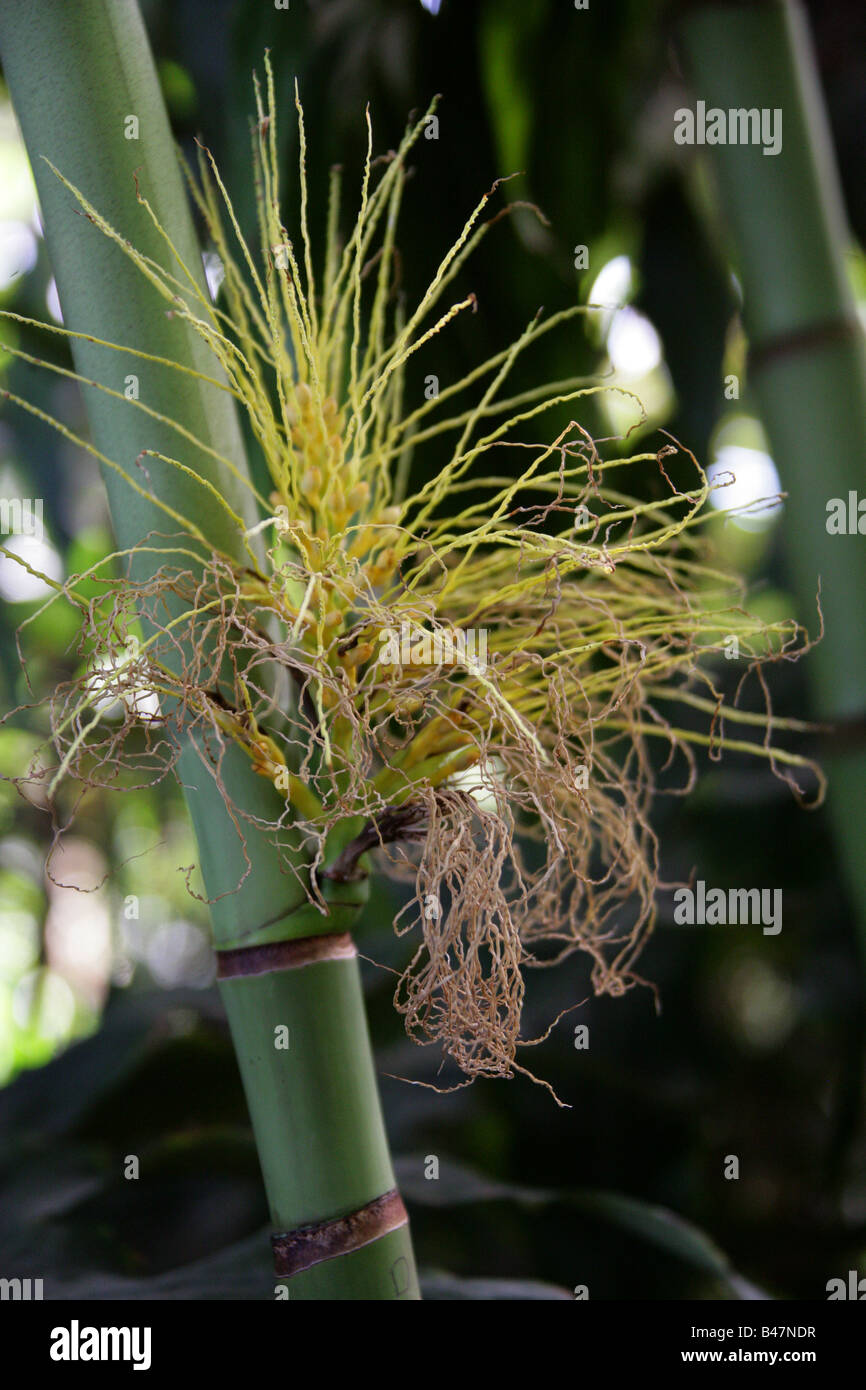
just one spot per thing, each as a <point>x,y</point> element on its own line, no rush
<point>75,73</point>
<point>807,354</point>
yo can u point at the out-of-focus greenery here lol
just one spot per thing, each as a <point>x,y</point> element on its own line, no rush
<point>758,1050</point>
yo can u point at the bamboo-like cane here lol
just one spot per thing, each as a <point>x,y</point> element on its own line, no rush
<point>86,95</point>
<point>807,348</point>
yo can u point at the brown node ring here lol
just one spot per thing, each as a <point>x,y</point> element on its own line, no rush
<point>284,955</point>
<point>306,1246</point>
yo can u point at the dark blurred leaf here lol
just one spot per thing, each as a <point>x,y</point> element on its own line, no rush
<point>436,1285</point>
<point>458,1186</point>
<point>49,1100</point>
<point>240,1271</point>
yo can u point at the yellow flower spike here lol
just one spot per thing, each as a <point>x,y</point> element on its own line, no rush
<point>577,616</point>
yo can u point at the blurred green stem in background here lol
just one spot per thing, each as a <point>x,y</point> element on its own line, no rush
<point>807,352</point>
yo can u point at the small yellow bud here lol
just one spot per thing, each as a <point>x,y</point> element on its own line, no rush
<point>408,705</point>
<point>311,483</point>
<point>357,655</point>
<point>358,495</point>
<point>337,496</point>
<point>383,567</point>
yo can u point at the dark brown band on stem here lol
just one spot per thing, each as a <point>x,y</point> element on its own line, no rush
<point>310,1245</point>
<point>803,340</point>
<point>284,955</point>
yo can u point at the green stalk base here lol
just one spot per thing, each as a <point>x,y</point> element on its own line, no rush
<point>302,1045</point>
